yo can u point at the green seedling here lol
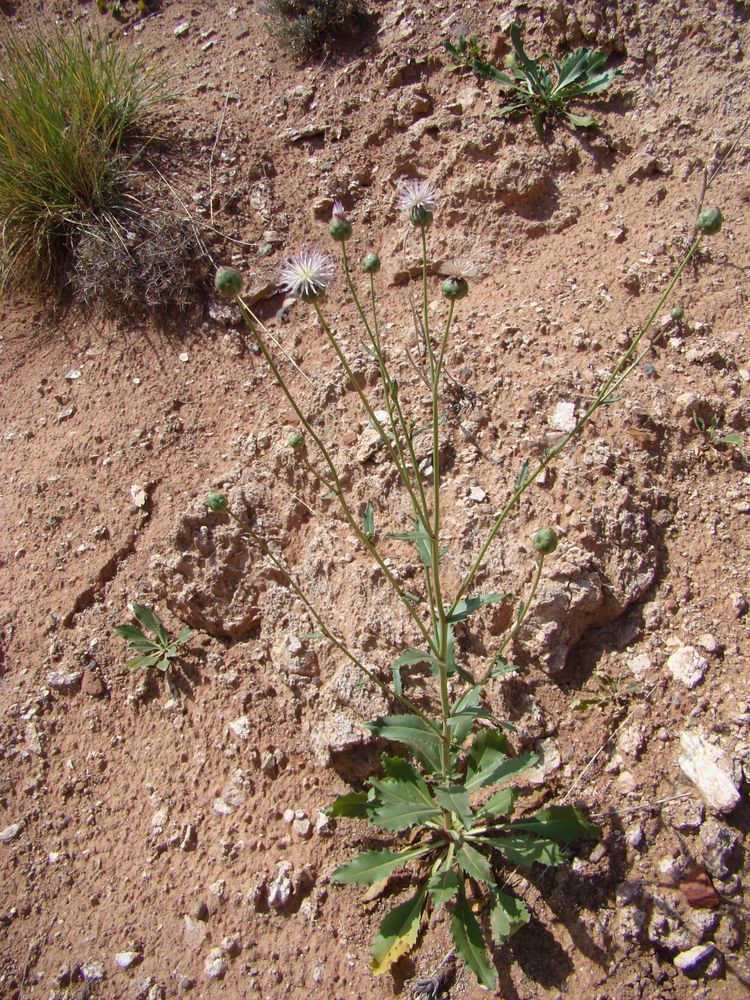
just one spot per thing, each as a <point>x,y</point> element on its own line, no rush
<point>542,87</point>
<point>158,651</point>
<point>714,437</point>
<point>465,51</point>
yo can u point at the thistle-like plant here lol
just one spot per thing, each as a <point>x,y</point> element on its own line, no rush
<point>156,651</point>
<point>444,794</point>
<point>529,85</point>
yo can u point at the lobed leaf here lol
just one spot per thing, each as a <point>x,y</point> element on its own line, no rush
<point>507,915</point>
<point>443,886</point>
<point>562,823</point>
<point>525,851</point>
<point>397,933</point>
<point>455,799</point>
<point>353,805</point>
<point>468,606</point>
<point>499,805</point>
<point>474,863</point>
<point>371,867</point>
<point>424,743</point>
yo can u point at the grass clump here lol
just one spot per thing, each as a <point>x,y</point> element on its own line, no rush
<point>310,28</point>
<point>76,113</point>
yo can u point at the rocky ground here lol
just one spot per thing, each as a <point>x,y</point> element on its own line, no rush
<point>153,845</point>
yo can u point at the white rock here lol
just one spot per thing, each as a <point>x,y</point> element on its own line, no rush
<point>288,816</point>
<point>241,727</point>
<point>138,495</point>
<point>549,761</point>
<point>126,959</point>
<point>195,932</point>
<point>687,666</point>
<point>93,972</point>
<point>216,965</point>
<point>302,828</point>
<point>715,774</point>
<point>64,680</point>
<point>281,890</point>
<point>324,825</point>
<point>690,962</point>
<point>640,666</point>
<point>222,808</point>
<point>477,494</point>
<point>563,417</point>
<point>10,832</point>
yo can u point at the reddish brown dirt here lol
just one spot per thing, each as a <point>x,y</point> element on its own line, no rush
<point>573,239</point>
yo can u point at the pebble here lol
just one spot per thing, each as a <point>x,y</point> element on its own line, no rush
<point>127,959</point>
<point>138,495</point>
<point>709,643</point>
<point>563,417</point>
<point>222,808</point>
<point>181,29</point>
<point>640,666</point>
<point>281,890</point>
<point>477,494</point>
<point>324,825</point>
<point>302,828</point>
<point>241,727</point>
<point>195,932</point>
<point>92,684</point>
<point>711,770</point>
<point>64,680</point>
<point>692,961</point>
<point>216,965</point>
<point>184,357</point>
<point>10,832</point>
<point>740,605</point>
<point>231,946</point>
<point>92,972</point>
<point>687,666</point>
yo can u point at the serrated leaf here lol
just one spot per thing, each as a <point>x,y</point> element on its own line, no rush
<point>468,606</point>
<point>132,633</point>
<point>499,805</point>
<point>487,752</point>
<point>354,805</point>
<point>474,863</point>
<point>455,799</point>
<point>469,941</point>
<point>507,915</point>
<point>413,732</point>
<point>402,799</point>
<point>563,823</point>
<point>369,522</point>
<point>397,933</point>
<point>525,851</point>
<point>151,621</point>
<point>443,886</point>
<point>371,867</point>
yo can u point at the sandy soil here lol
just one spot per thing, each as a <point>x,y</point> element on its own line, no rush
<point>143,824</point>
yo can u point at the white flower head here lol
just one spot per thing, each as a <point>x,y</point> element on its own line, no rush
<point>307,274</point>
<point>339,212</point>
<point>459,267</point>
<point>419,199</point>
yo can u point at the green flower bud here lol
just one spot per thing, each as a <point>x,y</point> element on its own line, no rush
<point>545,541</point>
<point>677,313</point>
<point>217,502</point>
<point>371,264</point>
<point>340,230</point>
<point>455,288</point>
<point>228,282</point>
<point>296,439</point>
<point>709,221</point>
<point>421,216</point>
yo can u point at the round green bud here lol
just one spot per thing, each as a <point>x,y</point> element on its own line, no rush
<point>545,541</point>
<point>296,439</point>
<point>340,230</point>
<point>709,221</point>
<point>371,264</point>
<point>217,502</point>
<point>677,313</point>
<point>455,288</point>
<point>228,282</point>
<point>421,216</point>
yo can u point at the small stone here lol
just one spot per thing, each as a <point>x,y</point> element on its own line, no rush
<point>10,832</point>
<point>563,417</point>
<point>186,984</point>
<point>709,643</point>
<point>241,728</point>
<point>92,972</point>
<point>687,815</point>
<point>281,890</point>
<point>302,828</point>
<point>64,680</point>
<point>218,890</point>
<point>195,932</point>
<point>222,807</point>
<point>550,761</point>
<point>477,494</point>
<point>184,357</point>
<point>687,666</point>
<point>139,496</point>
<point>289,816</point>
<point>640,666</point>
<point>722,849</point>
<point>65,414</point>
<point>324,825</point>
<point>740,605</point>
<point>713,772</point>
<point>181,29</point>
<point>693,961</point>
<point>200,911</point>
<point>231,946</point>
<point>215,966</point>
<point>72,375</point>
<point>92,684</point>
<point>268,765</point>
<point>127,959</point>
<point>634,836</point>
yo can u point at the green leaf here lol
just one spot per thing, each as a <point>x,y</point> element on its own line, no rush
<point>185,635</point>
<point>151,621</point>
<point>132,633</point>
<point>582,704</point>
<point>410,656</point>
<point>474,863</point>
<point>421,539</point>
<point>527,850</point>
<point>374,866</point>
<point>523,476</point>
<point>313,635</point>
<point>402,799</point>
<point>468,606</point>
<point>443,886</point>
<point>563,823</point>
<point>143,662</point>
<point>398,933</point>
<point>733,440</point>
<point>354,805</point>
<point>499,805</point>
<point>469,942</point>
<point>581,121</point>
<point>502,667</point>
<point>507,915</point>
<point>369,522</point>
<point>455,799</point>
<point>487,752</point>
<point>414,733</point>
